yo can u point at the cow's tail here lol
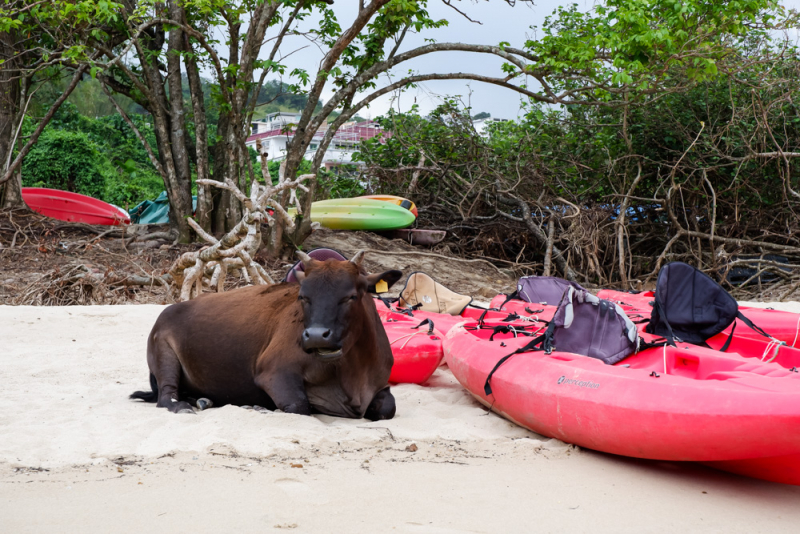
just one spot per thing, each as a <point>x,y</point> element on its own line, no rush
<point>147,396</point>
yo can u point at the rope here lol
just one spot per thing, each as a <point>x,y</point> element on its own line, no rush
<point>796,331</point>
<point>665,358</point>
<point>407,337</point>
<point>772,344</point>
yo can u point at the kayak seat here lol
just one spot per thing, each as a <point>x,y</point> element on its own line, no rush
<point>691,307</point>
<point>422,292</point>
<point>584,324</point>
<point>546,290</point>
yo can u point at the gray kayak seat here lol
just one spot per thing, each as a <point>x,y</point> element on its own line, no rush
<point>543,289</point>
<point>587,325</point>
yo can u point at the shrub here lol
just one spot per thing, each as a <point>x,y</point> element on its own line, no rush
<point>68,161</point>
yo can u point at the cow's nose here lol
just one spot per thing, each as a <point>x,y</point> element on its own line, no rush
<point>316,337</point>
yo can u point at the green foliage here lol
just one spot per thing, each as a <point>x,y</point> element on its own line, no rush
<point>277,96</point>
<point>131,184</point>
<point>126,174</point>
<point>69,161</point>
<point>58,27</point>
<point>343,181</point>
<point>712,143</point>
<point>639,43</point>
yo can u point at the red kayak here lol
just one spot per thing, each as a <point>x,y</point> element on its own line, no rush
<point>73,207</point>
<point>745,343</point>
<point>784,326</point>
<point>441,321</point>
<point>444,322</point>
<point>417,348</point>
<point>681,404</point>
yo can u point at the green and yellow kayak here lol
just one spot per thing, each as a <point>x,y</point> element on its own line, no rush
<point>359,214</point>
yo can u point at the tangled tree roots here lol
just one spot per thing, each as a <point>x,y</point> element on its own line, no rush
<point>82,284</point>
<point>234,252</point>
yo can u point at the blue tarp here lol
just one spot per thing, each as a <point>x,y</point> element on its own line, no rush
<point>154,211</point>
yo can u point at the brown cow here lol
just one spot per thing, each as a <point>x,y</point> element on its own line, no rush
<point>314,346</point>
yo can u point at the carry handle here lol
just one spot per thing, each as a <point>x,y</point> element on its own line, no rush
<point>428,322</point>
<point>511,296</point>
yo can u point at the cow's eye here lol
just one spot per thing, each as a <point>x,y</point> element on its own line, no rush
<point>304,299</point>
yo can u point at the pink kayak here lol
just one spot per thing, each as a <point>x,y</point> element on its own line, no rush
<point>681,404</point>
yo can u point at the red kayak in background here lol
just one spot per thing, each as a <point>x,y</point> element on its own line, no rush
<point>73,207</point>
<point>665,403</point>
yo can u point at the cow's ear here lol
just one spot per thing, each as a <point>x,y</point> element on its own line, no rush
<point>381,282</point>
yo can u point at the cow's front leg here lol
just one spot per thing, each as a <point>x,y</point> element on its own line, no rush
<point>381,407</point>
<point>286,390</point>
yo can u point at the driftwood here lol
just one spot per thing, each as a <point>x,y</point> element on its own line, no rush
<point>234,252</point>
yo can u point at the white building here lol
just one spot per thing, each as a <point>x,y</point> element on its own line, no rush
<point>276,130</point>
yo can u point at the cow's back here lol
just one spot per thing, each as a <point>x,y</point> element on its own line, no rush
<point>219,336</point>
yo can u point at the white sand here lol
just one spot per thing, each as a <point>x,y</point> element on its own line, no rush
<point>77,456</point>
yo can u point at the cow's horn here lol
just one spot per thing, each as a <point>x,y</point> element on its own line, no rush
<point>358,258</point>
<point>305,258</point>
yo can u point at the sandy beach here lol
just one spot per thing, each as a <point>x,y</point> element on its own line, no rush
<point>77,456</point>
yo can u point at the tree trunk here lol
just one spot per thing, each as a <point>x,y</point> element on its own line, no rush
<point>180,197</point>
<point>204,204</point>
<point>10,196</point>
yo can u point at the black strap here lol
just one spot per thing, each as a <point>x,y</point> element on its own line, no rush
<point>404,311</point>
<point>644,345</point>
<point>670,337</point>
<point>519,330</point>
<point>511,296</point>
<point>511,317</point>
<point>532,312</point>
<point>547,343</point>
<point>752,325</point>
<point>387,300</point>
<point>500,329</point>
<point>531,346</point>
<point>426,321</point>
<point>730,338</point>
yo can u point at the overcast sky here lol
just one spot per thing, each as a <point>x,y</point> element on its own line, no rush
<point>499,22</point>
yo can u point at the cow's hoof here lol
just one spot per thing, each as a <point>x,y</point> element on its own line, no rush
<point>261,409</point>
<point>204,403</point>
<point>180,407</point>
